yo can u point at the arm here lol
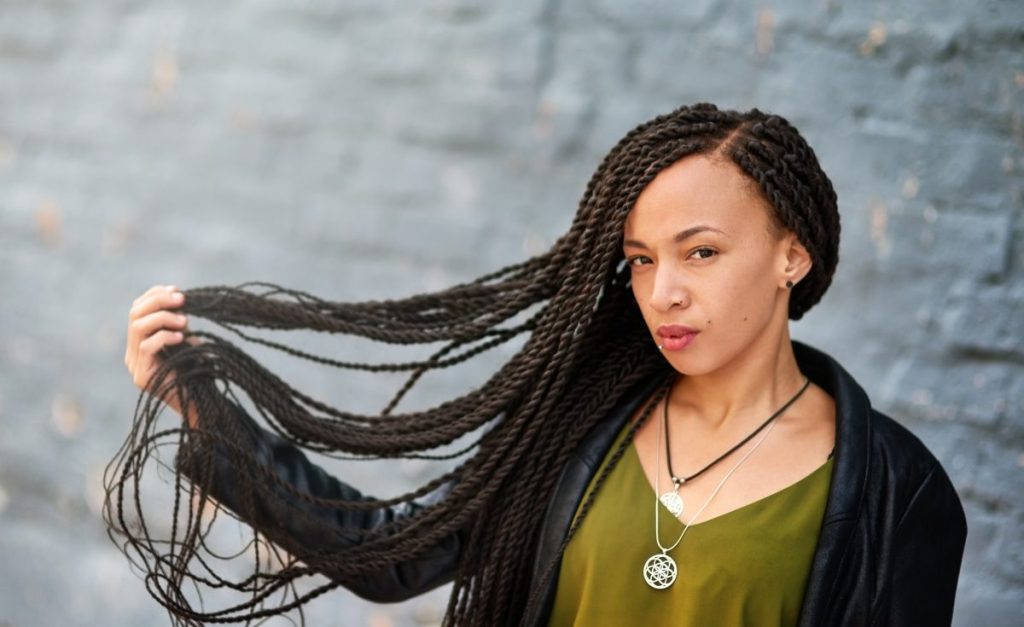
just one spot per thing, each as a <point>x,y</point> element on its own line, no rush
<point>928,547</point>
<point>395,583</point>
<point>153,327</point>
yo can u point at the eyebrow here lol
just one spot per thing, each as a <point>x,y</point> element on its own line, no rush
<point>679,237</point>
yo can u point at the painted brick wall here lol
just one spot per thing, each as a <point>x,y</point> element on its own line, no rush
<point>367,148</point>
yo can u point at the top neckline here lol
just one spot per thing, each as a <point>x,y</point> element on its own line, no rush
<point>761,502</point>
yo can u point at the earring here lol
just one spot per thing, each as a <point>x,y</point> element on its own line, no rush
<point>789,283</point>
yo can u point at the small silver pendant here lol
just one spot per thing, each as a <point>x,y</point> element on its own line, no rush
<point>660,571</point>
<point>673,502</point>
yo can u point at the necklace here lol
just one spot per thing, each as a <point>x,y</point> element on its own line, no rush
<point>672,500</point>
<point>660,569</point>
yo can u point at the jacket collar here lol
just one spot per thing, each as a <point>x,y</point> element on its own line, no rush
<point>853,430</point>
<point>849,477</point>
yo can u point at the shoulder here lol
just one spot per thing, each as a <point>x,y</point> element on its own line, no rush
<point>899,449</point>
<point>891,446</point>
<point>896,479</point>
<point>911,474</point>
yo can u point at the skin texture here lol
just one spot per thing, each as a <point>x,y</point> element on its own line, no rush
<point>740,368</point>
<point>152,325</point>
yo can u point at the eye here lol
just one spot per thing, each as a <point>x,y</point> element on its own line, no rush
<point>631,261</point>
<point>704,252</point>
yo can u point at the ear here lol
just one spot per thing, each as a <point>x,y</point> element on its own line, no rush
<point>794,260</point>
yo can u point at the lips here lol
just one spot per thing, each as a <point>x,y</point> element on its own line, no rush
<point>675,330</point>
<point>676,337</point>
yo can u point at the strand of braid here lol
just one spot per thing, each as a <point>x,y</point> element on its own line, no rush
<point>585,345</point>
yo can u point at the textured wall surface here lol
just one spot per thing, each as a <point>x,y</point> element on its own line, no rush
<point>362,149</point>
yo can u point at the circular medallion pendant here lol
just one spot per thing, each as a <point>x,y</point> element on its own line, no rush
<point>660,571</point>
<point>673,502</point>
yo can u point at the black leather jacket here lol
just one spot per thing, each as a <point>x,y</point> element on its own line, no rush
<point>889,551</point>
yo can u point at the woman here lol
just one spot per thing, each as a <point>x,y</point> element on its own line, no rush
<point>766,490</point>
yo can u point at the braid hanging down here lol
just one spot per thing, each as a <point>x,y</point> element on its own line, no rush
<point>585,346</point>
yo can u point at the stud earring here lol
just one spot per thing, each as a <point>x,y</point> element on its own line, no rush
<point>789,283</point>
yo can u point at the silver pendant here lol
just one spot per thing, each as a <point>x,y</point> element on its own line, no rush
<point>660,571</point>
<point>673,502</point>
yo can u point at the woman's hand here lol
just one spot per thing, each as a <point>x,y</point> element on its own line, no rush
<point>151,326</point>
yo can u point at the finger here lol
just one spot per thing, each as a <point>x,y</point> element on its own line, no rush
<point>144,327</point>
<point>157,299</point>
<point>162,319</point>
<point>164,337</point>
<point>133,312</point>
<point>147,353</point>
<point>154,302</point>
<point>154,289</point>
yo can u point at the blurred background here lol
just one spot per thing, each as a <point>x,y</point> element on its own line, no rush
<point>361,149</point>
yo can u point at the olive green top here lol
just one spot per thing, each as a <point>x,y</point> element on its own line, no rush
<point>746,567</point>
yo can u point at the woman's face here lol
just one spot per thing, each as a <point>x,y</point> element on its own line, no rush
<point>699,248</point>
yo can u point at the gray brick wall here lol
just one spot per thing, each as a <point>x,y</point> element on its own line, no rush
<point>364,149</point>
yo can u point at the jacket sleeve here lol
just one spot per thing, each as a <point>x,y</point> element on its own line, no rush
<point>928,548</point>
<point>395,583</point>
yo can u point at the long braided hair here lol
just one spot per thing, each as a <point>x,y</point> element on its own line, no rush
<point>586,344</point>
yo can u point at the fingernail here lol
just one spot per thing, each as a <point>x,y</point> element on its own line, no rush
<point>170,288</point>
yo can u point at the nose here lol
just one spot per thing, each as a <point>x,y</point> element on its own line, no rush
<point>669,290</point>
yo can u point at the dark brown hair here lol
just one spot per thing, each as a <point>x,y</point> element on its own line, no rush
<point>585,346</point>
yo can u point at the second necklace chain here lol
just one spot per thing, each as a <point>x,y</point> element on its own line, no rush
<point>672,500</point>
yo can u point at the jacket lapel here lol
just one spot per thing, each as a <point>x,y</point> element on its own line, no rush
<point>849,478</point>
<point>571,485</point>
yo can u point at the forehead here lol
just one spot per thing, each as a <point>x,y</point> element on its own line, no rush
<point>697,189</point>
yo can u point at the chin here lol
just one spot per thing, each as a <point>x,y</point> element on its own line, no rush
<point>700,358</point>
<point>689,362</point>
<point>690,368</point>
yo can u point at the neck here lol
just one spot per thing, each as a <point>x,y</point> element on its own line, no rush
<point>743,392</point>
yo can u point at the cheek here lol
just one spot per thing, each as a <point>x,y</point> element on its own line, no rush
<point>638,296</point>
<point>744,295</point>
<point>639,288</point>
<point>641,295</point>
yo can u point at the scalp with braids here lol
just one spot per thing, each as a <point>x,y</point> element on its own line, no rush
<point>586,345</point>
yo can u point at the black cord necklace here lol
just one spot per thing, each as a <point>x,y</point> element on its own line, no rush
<point>678,481</point>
